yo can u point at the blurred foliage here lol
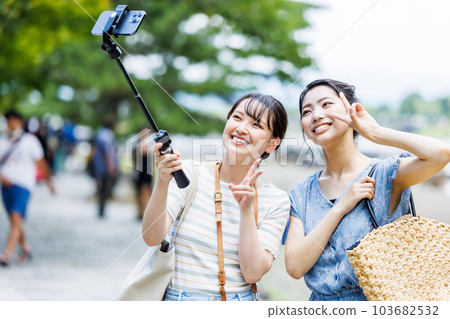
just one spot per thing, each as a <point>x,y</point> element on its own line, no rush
<point>416,114</point>
<point>50,62</point>
<point>30,30</point>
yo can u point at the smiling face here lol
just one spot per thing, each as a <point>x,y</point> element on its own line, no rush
<point>246,135</point>
<point>317,104</point>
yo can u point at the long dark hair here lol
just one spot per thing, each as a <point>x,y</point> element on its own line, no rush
<point>277,119</point>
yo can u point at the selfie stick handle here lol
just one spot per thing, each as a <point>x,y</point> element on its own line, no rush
<point>160,136</point>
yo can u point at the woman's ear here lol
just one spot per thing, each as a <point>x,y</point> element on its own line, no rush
<point>274,142</point>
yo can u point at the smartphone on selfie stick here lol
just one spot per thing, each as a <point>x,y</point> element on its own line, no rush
<point>123,21</point>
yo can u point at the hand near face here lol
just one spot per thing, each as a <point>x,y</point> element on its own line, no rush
<point>357,118</point>
<point>244,193</point>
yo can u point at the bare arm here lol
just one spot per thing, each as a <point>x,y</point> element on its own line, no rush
<point>44,167</point>
<point>157,220</point>
<point>302,252</point>
<point>5,182</point>
<point>432,155</point>
<point>254,260</point>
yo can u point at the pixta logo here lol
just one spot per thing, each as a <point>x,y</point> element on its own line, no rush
<point>139,151</point>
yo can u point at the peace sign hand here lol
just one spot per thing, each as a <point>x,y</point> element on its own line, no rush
<point>357,118</point>
<point>244,193</point>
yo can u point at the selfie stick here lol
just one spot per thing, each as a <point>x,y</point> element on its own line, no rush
<point>160,136</point>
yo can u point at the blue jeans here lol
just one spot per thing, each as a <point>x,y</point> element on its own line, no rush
<point>353,294</point>
<point>180,295</point>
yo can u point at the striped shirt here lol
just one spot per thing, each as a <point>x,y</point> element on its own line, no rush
<point>197,265</point>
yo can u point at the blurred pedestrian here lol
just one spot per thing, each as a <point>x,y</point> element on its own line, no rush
<point>104,163</point>
<point>20,155</point>
<point>144,180</point>
<point>40,130</point>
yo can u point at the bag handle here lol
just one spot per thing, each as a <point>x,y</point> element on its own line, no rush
<point>375,223</point>
<point>192,190</point>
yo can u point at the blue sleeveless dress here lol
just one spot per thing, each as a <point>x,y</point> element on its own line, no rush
<point>332,277</point>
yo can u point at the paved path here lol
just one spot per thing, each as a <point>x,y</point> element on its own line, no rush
<point>71,247</point>
<point>77,256</point>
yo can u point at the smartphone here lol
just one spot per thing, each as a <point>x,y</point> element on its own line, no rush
<point>128,24</point>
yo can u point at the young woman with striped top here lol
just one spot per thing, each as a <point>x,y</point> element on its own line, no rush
<point>255,125</point>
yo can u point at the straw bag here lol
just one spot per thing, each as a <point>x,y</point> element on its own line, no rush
<point>408,259</point>
<point>152,274</point>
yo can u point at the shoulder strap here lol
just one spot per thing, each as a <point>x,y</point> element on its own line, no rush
<point>191,191</point>
<point>367,201</point>
<point>255,212</point>
<point>218,202</point>
<point>11,149</point>
<point>190,197</point>
<point>375,223</point>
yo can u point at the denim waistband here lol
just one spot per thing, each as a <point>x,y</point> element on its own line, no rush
<point>181,295</point>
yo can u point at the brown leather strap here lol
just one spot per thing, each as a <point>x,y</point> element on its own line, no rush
<point>255,212</point>
<point>218,204</point>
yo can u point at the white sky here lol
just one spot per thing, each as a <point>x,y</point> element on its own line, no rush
<point>386,48</point>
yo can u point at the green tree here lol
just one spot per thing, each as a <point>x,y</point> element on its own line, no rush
<point>415,104</point>
<point>445,106</point>
<point>194,47</point>
<point>412,104</point>
<point>30,30</point>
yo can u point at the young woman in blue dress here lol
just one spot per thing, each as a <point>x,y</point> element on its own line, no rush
<point>327,215</point>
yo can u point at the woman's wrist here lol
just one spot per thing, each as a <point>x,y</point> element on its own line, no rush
<point>247,211</point>
<point>379,135</point>
<point>161,182</point>
<point>339,210</point>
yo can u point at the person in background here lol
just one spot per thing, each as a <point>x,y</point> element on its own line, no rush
<point>20,154</point>
<point>40,130</point>
<point>144,178</point>
<point>104,163</point>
